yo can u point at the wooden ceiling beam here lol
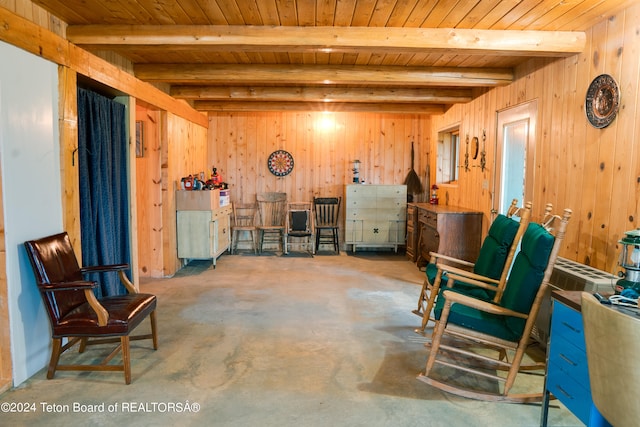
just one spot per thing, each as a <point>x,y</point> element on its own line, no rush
<point>403,108</point>
<point>229,74</point>
<point>377,40</point>
<point>322,94</point>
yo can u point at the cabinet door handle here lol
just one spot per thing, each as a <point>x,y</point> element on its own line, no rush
<point>566,359</point>
<point>564,392</point>
<point>571,327</point>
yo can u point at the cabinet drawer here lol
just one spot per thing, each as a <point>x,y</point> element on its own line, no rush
<point>221,213</point>
<point>411,211</point>
<point>569,359</point>
<point>566,325</point>
<point>397,192</point>
<point>573,395</point>
<point>428,218</point>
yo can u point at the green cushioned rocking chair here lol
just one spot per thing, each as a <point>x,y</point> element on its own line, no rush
<point>470,330</point>
<point>493,263</point>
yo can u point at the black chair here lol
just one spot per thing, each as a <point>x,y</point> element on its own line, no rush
<point>327,210</point>
<point>77,315</point>
<point>299,226</point>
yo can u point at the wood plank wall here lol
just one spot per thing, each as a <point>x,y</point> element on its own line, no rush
<point>149,195</point>
<point>184,151</point>
<point>173,148</point>
<point>323,146</point>
<point>595,172</point>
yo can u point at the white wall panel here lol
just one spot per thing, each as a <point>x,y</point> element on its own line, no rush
<point>30,157</point>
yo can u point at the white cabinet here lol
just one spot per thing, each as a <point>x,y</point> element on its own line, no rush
<point>376,215</point>
<point>203,234</point>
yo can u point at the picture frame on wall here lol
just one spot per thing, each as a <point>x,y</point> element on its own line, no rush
<point>139,139</point>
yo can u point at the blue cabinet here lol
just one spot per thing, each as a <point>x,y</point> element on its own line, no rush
<point>567,370</point>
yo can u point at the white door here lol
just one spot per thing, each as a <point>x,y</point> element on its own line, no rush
<point>515,152</point>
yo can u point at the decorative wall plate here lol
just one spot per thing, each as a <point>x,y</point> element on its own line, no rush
<point>602,101</point>
<point>280,163</point>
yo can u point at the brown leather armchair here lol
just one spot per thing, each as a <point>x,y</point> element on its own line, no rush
<point>76,314</point>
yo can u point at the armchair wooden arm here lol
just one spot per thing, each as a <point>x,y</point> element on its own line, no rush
<point>120,268</point>
<point>453,297</point>
<point>479,281</point>
<point>436,259</point>
<point>87,287</point>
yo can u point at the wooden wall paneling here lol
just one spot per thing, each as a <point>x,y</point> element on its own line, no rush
<point>262,151</point>
<point>585,139</point>
<point>570,180</point>
<point>543,190</point>
<point>68,127</point>
<point>608,61</point>
<point>342,169</point>
<point>631,101</point>
<point>230,165</point>
<point>551,148</point>
<point>623,209</point>
<point>574,182</point>
<point>170,262</point>
<point>253,125</point>
<point>149,196</point>
<point>296,143</point>
<point>353,138</point>
<point>186,153</point>
<point>394,143</point>
<point>364,153</point>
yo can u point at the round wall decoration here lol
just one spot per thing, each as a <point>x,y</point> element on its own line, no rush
<point>602,101</point>
<point>280,163</point>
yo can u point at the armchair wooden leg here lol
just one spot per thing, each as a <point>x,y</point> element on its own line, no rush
<point>126,359</point>
<point>55,356</point>
<point>154,334</point>
<point>83,345</point>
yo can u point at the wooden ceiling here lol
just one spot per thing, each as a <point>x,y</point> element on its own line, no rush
<point>414,56</point>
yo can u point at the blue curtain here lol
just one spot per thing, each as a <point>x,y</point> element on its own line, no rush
<point>104,198</point>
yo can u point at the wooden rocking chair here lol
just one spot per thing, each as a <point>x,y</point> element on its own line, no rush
<point>492,265</point>
<point>483,328</point>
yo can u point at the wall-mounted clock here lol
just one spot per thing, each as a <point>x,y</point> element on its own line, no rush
<point>602,101</point>
<point>280,163</point>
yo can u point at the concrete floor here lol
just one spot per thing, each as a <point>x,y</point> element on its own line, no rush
<point>274,341</point>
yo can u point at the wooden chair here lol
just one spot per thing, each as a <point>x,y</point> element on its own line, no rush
<point>327,210</point>
<point>488,332</point>
<point>492,266</point>
<point>272,212</point>
<point>612,341</point>
<point>244,222</point>
<point>75,314</point>
<point>299,225</point>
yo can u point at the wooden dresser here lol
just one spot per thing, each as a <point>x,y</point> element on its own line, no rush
<point>448,230</point>
<point>412,232</point>
<point>375,215</point>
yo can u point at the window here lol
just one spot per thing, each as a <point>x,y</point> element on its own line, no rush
<point>448,156</point>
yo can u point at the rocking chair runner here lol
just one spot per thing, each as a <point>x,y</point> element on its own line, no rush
<point>504,326</point>
<point>492,265</point>
<point>77,315</point>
